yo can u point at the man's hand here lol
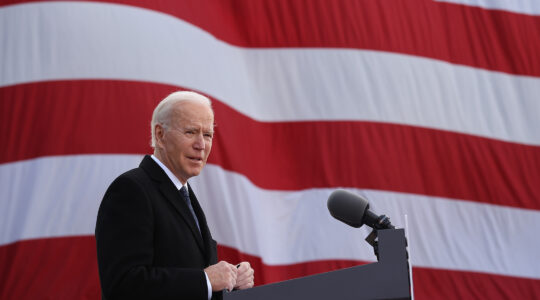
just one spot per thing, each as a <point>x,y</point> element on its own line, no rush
<point>244,278</point>
<point>222,276</point>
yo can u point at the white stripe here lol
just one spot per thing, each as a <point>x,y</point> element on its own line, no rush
<point>64,40</point>
<point>529,7</point>
<point>56,196</point>
<point>291,227</point>
<point>59,196</point>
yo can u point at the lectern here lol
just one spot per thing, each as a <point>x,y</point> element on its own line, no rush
<point>388,278</point>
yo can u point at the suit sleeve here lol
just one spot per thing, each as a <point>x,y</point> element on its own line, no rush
<point>124,237</point>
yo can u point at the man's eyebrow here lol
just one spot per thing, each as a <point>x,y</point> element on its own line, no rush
<point>198,129</point>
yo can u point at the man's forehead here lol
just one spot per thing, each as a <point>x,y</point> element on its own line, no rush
<point>193,110</point>
<point>201,117</point>
<point>195,124</point>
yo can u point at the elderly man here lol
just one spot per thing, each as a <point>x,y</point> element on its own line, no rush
<point>152,238</point>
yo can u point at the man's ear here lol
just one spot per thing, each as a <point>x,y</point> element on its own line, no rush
<point>159,132</point>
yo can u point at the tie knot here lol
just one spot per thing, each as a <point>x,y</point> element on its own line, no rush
<point>184,193</point>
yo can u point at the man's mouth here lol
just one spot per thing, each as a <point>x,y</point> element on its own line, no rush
<point>195,158</point>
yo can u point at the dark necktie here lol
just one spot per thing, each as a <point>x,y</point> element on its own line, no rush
<point>185,196</point>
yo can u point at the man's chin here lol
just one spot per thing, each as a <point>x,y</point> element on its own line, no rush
<point>195,172</point>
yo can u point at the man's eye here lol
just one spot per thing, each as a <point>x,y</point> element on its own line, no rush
<point>209,135</point>
<point>190,132</point>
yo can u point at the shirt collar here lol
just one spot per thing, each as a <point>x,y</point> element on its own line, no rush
<point>170,174</point>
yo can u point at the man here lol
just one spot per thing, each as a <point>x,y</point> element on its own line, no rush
<point>152,238</point>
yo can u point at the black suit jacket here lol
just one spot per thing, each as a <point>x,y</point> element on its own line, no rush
<point>148,244</point>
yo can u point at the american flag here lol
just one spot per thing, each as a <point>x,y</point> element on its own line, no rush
<point>430,109</point>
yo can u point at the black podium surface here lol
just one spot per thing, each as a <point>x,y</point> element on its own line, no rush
<point>386,279</point>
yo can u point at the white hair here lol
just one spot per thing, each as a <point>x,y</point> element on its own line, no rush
<point>162,112</point>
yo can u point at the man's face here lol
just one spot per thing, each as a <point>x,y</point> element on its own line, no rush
<point>186,143</point>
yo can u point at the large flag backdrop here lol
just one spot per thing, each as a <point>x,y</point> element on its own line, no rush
<point>431,109</point>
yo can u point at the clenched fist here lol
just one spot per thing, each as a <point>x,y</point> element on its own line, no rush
<point>245,277</point>
<point>222,276</point>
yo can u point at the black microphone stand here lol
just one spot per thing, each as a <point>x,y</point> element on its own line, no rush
<point>382,222</point>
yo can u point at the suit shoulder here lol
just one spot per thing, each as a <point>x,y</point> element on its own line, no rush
<point>133,184</point>
<point>135,176</point>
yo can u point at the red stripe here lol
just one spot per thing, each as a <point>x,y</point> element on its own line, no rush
<point>66,268</point>
<point>446,284</point>
<point>93,117</point>
<point>490,39</point>
<point>56,268</point>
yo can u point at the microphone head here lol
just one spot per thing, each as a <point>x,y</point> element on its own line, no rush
<point>347,207</point>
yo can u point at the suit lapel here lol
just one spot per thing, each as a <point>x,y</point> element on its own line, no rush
<point>172,195</point>
<point>170,192</point>
<point>205,231</point>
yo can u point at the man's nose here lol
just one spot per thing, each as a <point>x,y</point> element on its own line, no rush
<point>199,142</point>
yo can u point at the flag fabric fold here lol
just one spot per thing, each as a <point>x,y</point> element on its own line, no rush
<point>427,108</point>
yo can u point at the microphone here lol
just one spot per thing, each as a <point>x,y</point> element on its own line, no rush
<point>353,210</point>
